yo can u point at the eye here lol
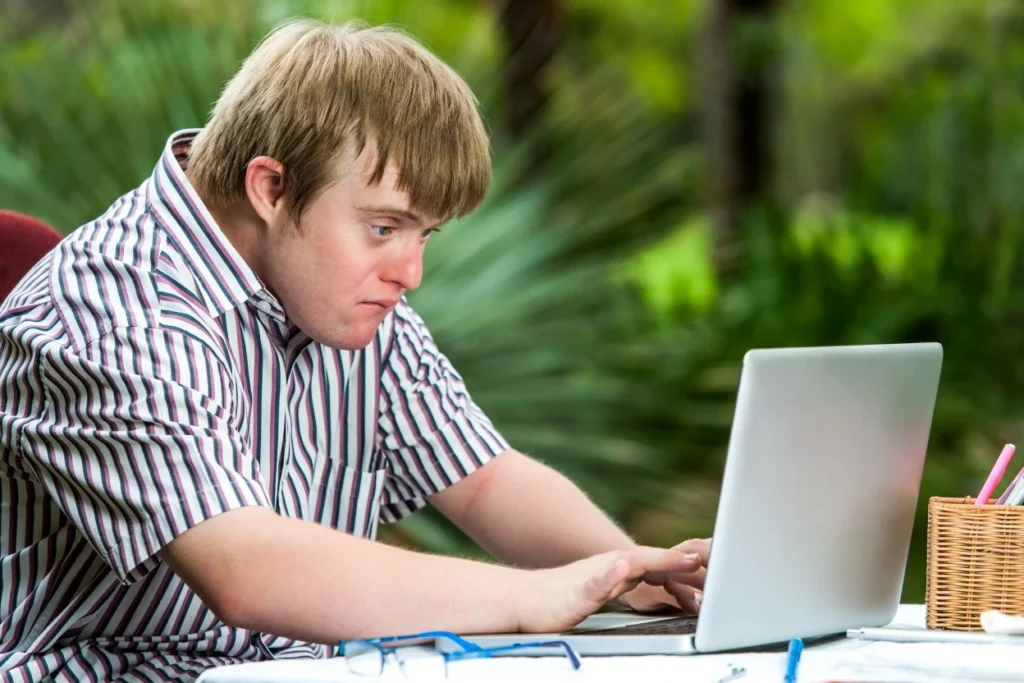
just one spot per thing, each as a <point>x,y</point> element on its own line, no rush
<point>427,233</point>
<point>382,230</point>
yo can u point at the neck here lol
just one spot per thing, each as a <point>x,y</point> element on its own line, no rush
<point>244,230</point>
<point>242,227</point>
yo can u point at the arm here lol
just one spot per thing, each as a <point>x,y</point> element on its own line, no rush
<point>260,571</point>
<point>521,511</point>
<point>516,508</point>
<point>527,514</point>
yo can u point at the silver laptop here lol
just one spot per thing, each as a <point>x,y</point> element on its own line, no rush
<point>816,509</point>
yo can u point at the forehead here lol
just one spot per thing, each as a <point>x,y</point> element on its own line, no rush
<point>356,181</point>
<point>359,174</point>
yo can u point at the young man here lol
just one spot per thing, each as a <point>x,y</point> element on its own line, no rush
<point>211,394</point>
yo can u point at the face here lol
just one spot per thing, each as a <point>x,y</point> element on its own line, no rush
<point>357,250</point>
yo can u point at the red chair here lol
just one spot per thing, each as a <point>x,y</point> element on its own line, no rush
<point>23,241</point>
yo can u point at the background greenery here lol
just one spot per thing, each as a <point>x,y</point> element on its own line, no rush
<point>636,242</point>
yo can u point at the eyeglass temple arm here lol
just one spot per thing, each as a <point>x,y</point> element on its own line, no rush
<point>426,635</point>
<point>489,651</point>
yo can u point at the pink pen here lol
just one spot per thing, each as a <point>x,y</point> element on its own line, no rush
<point>996,474</point>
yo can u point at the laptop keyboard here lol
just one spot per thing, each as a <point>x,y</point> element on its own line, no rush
<point>674,626</point>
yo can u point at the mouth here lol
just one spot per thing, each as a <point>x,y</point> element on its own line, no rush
<point>380,305</point>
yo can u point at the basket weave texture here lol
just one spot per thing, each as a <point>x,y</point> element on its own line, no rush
<point>975,562</point>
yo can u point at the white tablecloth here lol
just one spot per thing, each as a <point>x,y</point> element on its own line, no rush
<point>821,662</point>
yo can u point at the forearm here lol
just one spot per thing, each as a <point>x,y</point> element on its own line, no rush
<point>530,515</point>
<point>304,581</point>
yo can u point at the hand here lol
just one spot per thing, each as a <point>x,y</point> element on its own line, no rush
<point>683,592</point>
<point>558,599</point>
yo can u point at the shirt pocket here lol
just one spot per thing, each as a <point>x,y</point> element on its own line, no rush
<point>348,499</point>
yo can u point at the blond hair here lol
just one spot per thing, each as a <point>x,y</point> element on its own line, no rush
<point>312,93</point>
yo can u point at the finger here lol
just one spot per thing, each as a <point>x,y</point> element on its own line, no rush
<point>622,588</point>
<point>694,579</point>
<point>644,560</point>
<point>686,597</point>
<point>700,546</point>
<point>602,587</point>
<point>654,599</point>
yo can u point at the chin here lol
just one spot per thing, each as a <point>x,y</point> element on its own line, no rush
<point>344,339</point>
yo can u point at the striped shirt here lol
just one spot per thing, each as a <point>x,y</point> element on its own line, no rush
<point>149,381</point>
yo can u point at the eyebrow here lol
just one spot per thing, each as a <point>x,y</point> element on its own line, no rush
<point>394,210</point>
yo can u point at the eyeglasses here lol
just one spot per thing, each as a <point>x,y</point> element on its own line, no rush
<point>367,657</point>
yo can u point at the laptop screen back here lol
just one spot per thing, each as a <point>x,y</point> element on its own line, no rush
<point>820,488</point>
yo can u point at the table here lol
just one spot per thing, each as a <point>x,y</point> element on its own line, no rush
<point>822,661</point>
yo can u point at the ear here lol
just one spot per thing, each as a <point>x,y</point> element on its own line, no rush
<point>264,186</point>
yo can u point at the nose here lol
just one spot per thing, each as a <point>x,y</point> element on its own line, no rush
<point>406,268</point>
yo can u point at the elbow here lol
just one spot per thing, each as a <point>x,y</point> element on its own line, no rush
<point>215,559</point>
<point>233,605</point>
<point>228,595</point>
<point>236,593</point>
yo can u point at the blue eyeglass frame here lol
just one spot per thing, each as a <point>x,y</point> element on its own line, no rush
<point>469,650</point>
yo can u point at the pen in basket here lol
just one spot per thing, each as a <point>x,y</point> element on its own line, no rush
<point>1016,496</point>
<point>1008,493</point>
<point>995,475</point>
<point>1014,493</point>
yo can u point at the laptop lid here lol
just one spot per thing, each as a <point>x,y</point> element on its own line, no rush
<point>820,487</point>
<point>818,496</point>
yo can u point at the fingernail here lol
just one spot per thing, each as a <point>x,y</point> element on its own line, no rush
<point>697,597</point>
<point>693,557</point>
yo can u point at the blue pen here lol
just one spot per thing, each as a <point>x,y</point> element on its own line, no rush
<point>796,648</point>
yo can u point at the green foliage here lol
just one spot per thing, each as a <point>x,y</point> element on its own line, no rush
<point>678,271</point>
<point>580,302</point>
<point>847,279</point>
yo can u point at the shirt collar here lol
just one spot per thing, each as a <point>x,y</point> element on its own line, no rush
<point>223,277</point>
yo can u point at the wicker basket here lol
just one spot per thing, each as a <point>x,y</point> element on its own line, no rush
<point>975,562</point>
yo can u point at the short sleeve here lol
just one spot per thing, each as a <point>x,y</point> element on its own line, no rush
<point>138,442</point>
<point>430,430</point>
